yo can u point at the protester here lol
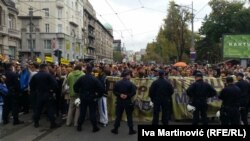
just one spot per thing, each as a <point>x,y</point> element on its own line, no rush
<point>3,93</point>
<point>73,111</point>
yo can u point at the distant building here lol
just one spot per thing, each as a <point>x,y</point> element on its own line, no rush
<point>104,42</point>
<point>117,45</point>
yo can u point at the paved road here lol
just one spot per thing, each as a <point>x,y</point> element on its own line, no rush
<point>26,132</point>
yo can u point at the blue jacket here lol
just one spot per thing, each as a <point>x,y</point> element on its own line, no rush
<point>3,92</point>
<point>24,79</point>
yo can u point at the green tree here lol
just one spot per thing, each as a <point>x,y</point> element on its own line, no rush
<point>226,18</point>
<point>117,56</point>
<point>177,29</point>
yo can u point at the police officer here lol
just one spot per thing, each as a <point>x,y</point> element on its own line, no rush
<point>90,89</point>
<point>13,97</point>
<point>124,90</point>
<point>160,93</point>
<point>229,112</point>
<point>245,96</point>
<point>198,93</point>
<point>43,85</point>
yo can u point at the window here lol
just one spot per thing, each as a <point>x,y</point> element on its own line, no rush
<point>60,43</point>
<point>33,44</point>
<point>12,22</point>
<point>46,27</point>
<point>47,44</point>
<point>46,12</point>
<point>12,52</point>
<point>59,27</point>
<point>59,13</point>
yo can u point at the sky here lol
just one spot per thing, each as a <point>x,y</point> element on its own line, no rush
<point>137,22</point>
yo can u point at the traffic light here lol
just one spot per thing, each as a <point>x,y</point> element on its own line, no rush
<point>57,53</point>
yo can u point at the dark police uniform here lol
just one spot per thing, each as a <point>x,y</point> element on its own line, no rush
<point>11,101</point>
<point>89,88</point>
<point>229,112</point>
<point>245,96</point>
<point>43,85</point>
<point>160,93</point>
<point>124,87</point>
<point>198,93</point>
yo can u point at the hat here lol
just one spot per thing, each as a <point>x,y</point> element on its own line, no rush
<point>240,74</point>
<point>229,79</point>
<point>161,72</point>
<point>198,74</point>
<point>125,73</point>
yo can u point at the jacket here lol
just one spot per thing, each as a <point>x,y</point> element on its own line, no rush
<point>71,79</point>
<point>3,92</point>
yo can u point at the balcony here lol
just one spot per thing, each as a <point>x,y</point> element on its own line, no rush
<point>14,33</point>
<point>79,40</point>
<point>59,3</point>
<point>92,23</point>
<point>73,23</point>
<point>91,46</point>
<point>91,34</point>
<point>60,35</point>
<point>3,30</point>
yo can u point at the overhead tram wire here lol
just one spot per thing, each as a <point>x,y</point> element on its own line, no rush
<point>122,12</point>
<point>118,17</point>
<point>107,22</point>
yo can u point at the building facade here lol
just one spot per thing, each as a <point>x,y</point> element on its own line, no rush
<point>10,35</point>
<point>50,25</point>
<point>117,45</point>
<point>104,43</point>
<point>89,24</point>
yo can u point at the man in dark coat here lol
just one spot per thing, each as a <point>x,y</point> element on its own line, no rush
<point>89,88</point>
<point>124,90</point>
<point>13,98</point>
<point>229,112</point>
<point>198,93</point>
<point>43,85</point>
<point>245,97</point>
<point>160,93</point>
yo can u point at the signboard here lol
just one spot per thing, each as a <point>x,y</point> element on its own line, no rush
<point>236,46</point>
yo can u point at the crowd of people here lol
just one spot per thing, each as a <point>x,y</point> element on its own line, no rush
<point>54,90</point>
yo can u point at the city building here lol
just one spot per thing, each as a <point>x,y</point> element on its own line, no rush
<point>104,42</point>
<point>50,25</point>
<point>10,35</point>
<point>89,24</point>
<point>117,45</point>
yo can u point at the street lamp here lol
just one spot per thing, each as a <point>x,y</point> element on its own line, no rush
<point>31,29</point>
<point>192,49</point>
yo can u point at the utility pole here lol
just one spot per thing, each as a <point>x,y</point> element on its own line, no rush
<point>31,30</point>
<point>192,50</point>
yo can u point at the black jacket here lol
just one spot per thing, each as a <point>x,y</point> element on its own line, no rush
<point>200,91</point>
<point>245,92</point>
<point>12,82</point>
<point>161,90</point>
<point>126,87</point>
<point>43,84</point>
<point>230,96</point>
<point>88,87</point>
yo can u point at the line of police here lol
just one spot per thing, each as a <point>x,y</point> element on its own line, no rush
<point>235,98</point>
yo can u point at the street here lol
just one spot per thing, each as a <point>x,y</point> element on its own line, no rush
<point>26,131</point>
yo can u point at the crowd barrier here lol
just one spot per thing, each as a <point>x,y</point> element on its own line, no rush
<point>143,110</point>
